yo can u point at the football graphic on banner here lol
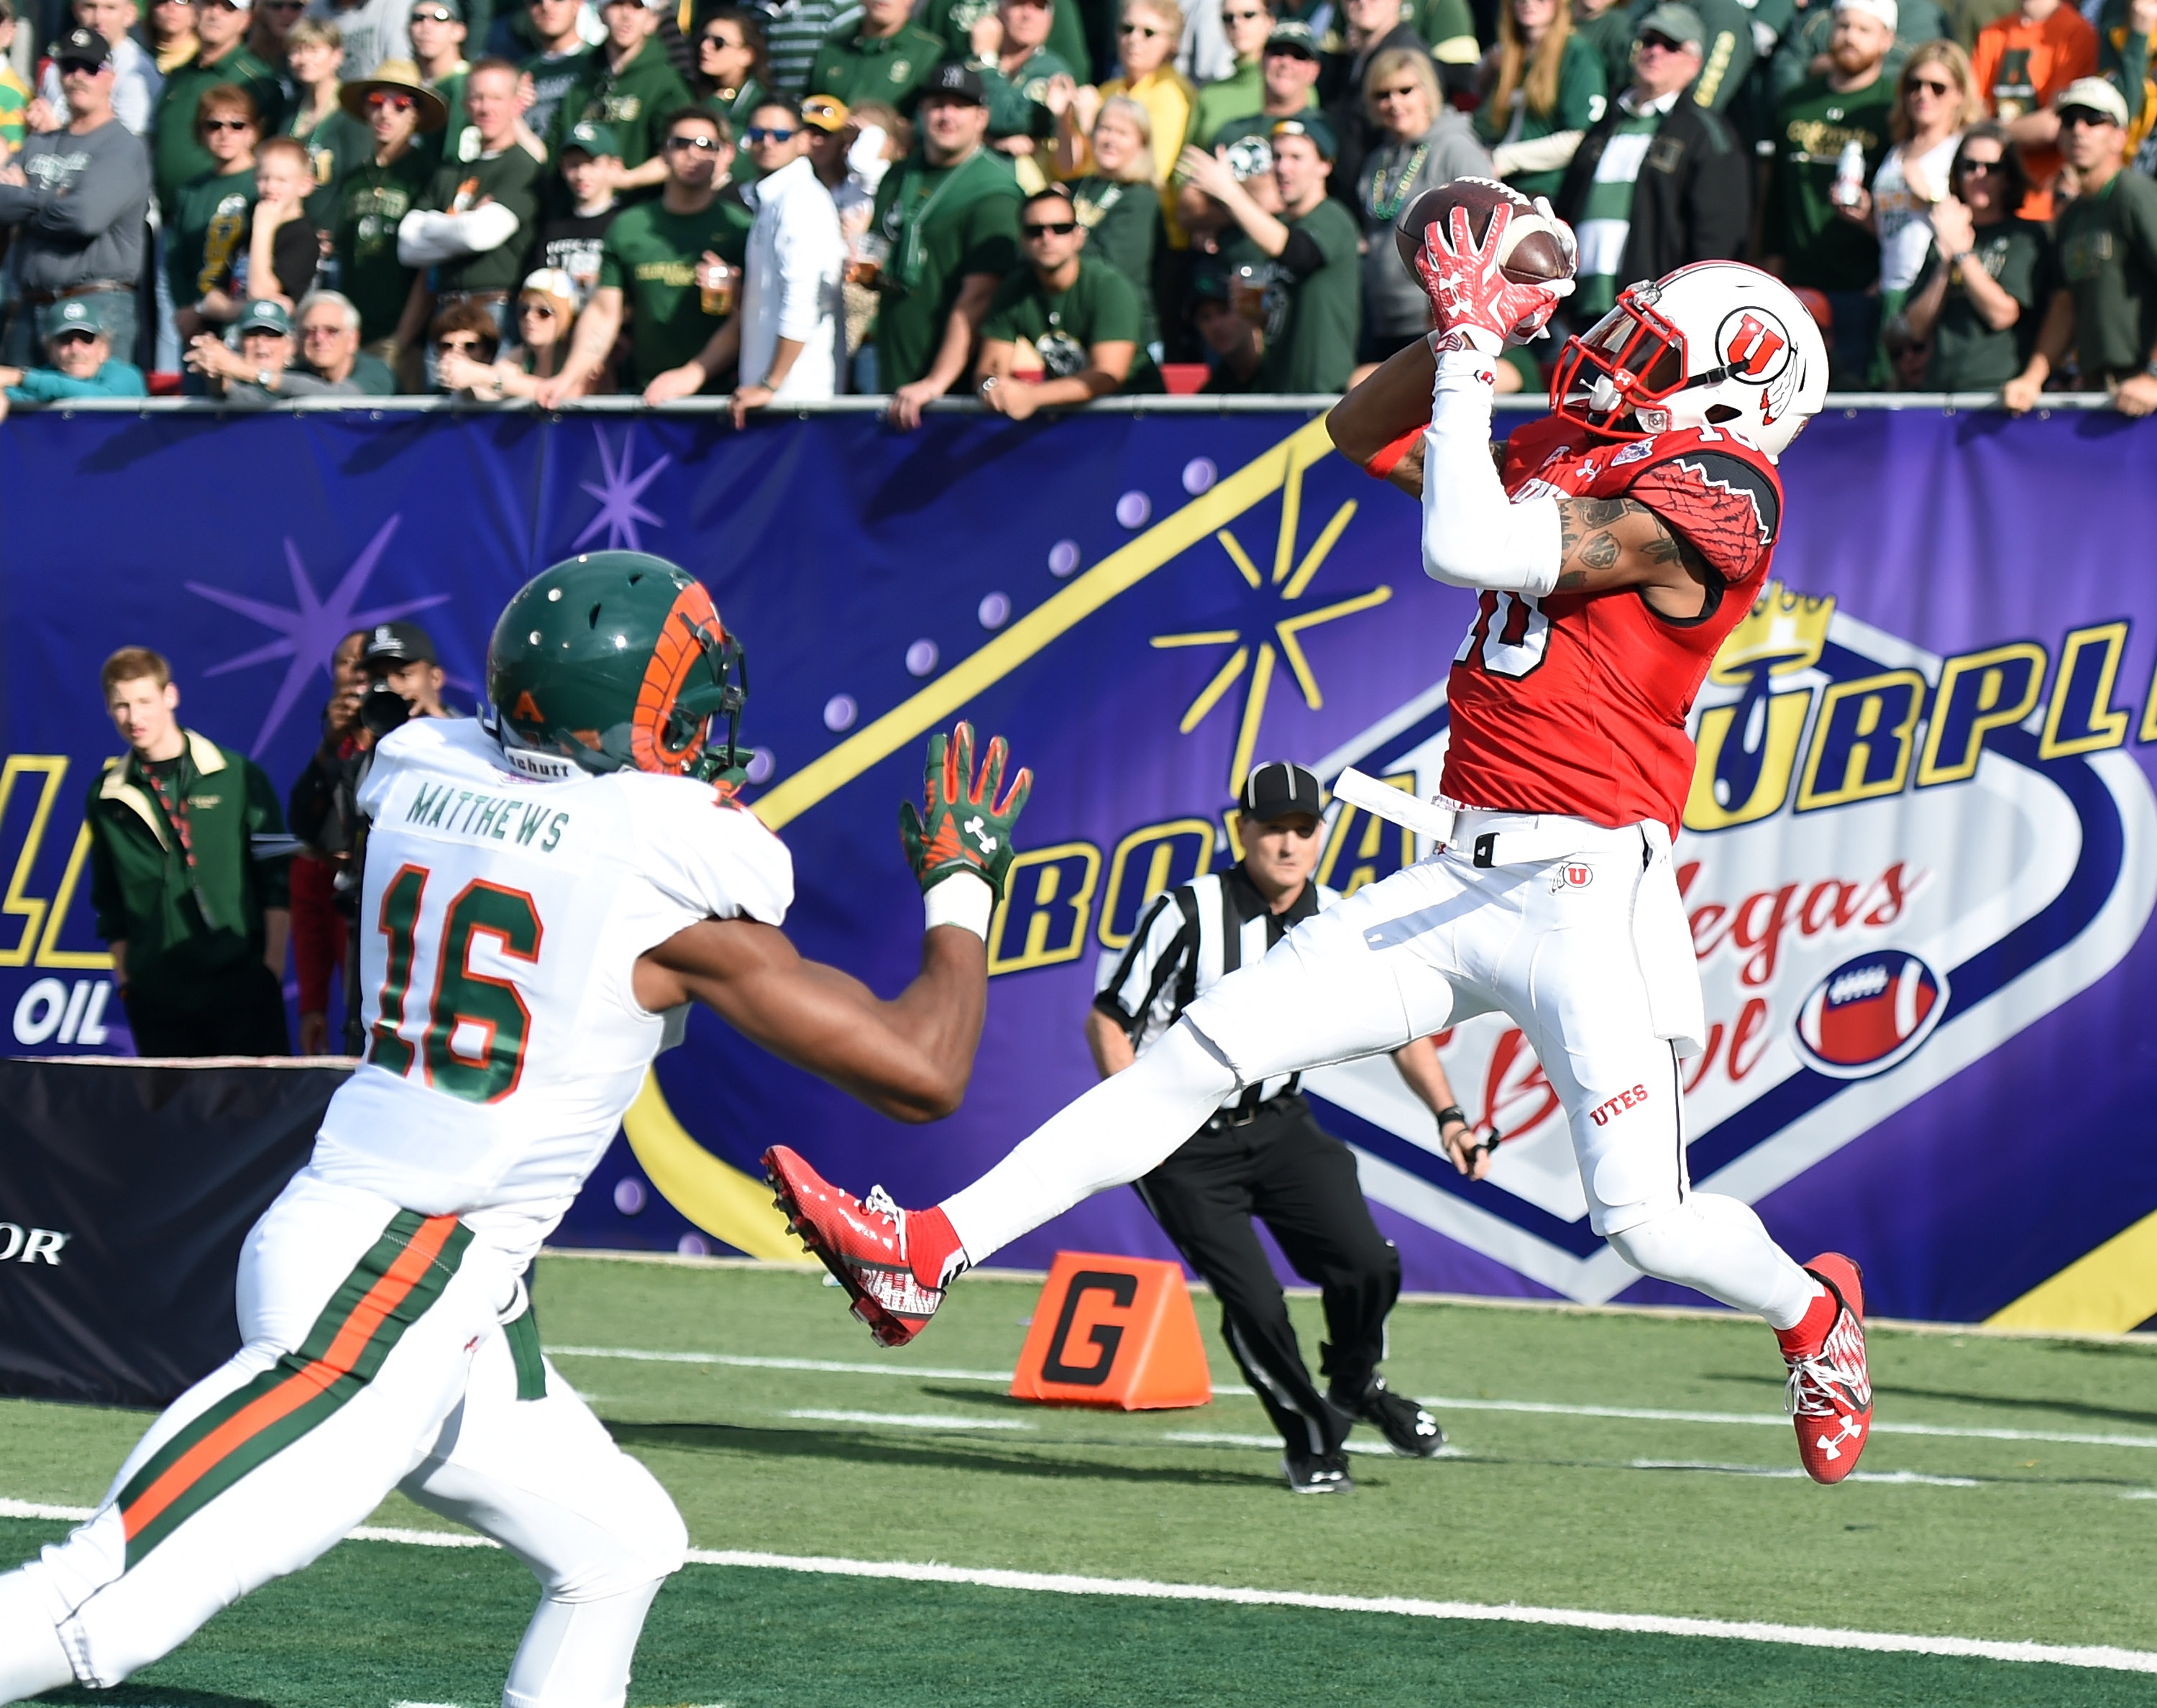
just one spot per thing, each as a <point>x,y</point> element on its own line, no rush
<point>1869,1013</point>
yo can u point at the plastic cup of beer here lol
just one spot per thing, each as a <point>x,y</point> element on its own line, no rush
<point>870,251</point>
<point>1247,293</point>
<point>715,287</point>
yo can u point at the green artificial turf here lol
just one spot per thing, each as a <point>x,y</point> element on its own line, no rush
<point>2024,1540</point>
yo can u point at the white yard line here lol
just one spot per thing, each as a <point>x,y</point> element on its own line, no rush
<point>910,1420</point>
<point>2092,1655</point>
<point>1746,1631</point>
<point>1645,1414</point>
<point>1794,1473</point>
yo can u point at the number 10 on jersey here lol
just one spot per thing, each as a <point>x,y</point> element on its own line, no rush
<point>475,1025</point>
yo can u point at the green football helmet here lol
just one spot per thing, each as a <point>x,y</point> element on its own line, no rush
<point>613,659</point>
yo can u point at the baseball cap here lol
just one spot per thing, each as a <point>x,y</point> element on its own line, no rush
<point>1885,10</point>
<point>393,644</point>
<point>2096,95</point>
<point>823,112</point>
<point>956,81</point>
<point>1292,35</point>
<point>1276,789</point>
<point>441,10</point>
<point>264,316</point>
<point>78,313</point>
<point>83,47</point>
<point>1674,23</point>
<point>1315,128</point>
<point>595,139</point>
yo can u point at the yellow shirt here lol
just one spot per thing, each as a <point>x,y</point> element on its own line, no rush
<point>1168,99</point>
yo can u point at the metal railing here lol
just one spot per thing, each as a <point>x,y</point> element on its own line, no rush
<point>1848,404</point>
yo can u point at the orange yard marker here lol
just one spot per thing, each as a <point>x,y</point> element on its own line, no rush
<point>1114,1331</point>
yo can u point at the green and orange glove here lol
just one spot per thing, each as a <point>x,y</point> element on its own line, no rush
<point>964,830</point>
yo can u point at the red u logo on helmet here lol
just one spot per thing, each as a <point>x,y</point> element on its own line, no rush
<point>1753,347</point>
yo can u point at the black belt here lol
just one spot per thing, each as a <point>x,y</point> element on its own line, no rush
<point>89,287</point>
<point>1247,1111</point>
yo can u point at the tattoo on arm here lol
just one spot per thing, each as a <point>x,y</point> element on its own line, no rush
<point>1590,542</point>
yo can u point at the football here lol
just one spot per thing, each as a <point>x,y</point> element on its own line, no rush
<point>1534,253</point>
<point>1869,1013</point>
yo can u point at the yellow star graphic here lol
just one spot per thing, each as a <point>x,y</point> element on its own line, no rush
<point>1293,579</point>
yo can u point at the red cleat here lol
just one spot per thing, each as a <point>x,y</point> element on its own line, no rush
<point>1829,1396</point>
<point>864,1246</point>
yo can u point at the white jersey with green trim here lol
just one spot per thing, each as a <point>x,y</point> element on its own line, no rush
<point>505,908</point>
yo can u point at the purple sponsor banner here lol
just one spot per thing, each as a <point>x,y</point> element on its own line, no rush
<point>1920,854</point>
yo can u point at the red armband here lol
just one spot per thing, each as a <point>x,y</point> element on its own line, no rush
<point>1381,465</point>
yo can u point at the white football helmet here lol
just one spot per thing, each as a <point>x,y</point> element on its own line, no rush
<point>1715,344</point>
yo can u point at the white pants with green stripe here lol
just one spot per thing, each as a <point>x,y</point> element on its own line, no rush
<point>375,1357</point>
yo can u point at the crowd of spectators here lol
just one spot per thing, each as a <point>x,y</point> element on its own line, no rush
<point>1039,202</point>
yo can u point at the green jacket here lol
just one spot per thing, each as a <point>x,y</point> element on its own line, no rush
<point>184,932</point>
<point>637,100</point>
<point>857,67</point>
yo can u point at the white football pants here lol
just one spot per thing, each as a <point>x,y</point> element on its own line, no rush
<point>1585,950</point>
<point>375,1357</point>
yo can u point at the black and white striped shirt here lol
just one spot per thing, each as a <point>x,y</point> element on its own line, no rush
<point>1190,939</point>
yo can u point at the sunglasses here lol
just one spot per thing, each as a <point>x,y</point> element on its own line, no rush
<point>1929,87</point>
<point>540,309</point>
<point>1057,228</point>
<point>1401,94</point>
<point>1977,168</point>
<point>76,335</point>
<point>228,124</point>
<point>2071,116</point>
<point>78,68</point>
<point>717,39</point>
<point>1661,44</point>
<point>759,133</point>
<point>1145,30</point>
<point>463,347</point>
<point>702,145</point>
<point>381,100</point>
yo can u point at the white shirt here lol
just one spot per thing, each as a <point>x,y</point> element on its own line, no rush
<point>1904,193</point>
<point>137,84</point>
<point>796,257</point>
<point>372,30</point>
<point>505,1036</point>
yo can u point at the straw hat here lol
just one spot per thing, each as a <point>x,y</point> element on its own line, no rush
<point>396,77</point>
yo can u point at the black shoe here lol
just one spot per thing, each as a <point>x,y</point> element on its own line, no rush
<point>1317,1473</point>
<point>1413,1431</point>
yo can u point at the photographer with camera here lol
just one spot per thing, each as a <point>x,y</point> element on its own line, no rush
<point>380,677</point>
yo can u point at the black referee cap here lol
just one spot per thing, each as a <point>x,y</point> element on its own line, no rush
<point>1278,788</point>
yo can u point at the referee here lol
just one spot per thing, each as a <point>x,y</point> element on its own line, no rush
<point>1263,1155</point>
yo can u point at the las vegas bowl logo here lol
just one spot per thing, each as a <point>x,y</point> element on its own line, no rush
<point>1869,1013</point>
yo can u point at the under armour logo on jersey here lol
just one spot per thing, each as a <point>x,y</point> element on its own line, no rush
<point>977,829</point>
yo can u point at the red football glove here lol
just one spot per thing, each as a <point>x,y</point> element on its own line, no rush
<point>1477,307</point>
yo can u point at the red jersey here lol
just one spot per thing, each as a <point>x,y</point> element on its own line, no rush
<point>1576,703</point>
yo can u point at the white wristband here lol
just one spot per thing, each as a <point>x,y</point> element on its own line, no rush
<point>963,899</point>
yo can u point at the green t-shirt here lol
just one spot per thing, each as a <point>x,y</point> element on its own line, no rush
<point>177,154</point>
<point>448,142</point>
<point>651,256</point>
<point>1441,22</point>
<point>371,202</point>
<point>2105,246</point>
<point>1819,247</point>
<point>953,21</point>
<point>943,223</point>
<point>553,75</point>
<point>1238,95</point>
<point>1123,231</point>
<point>1579,104</point>
<point>1807,39</point>
<point>1099,308</point>
<point>636,100</point>
<point>893,69</point>
<point>1968,355</point>
<point>511,179</point>
<point>208,227</point>
<point>1311,324</point>
<point>334,146</point>
<point>1018,104</point>
<point>1610,33</point>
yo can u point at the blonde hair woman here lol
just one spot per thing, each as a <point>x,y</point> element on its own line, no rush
<point>1426,143</point>
<point>1935,102</point>
<point>1117,204</point>
<point>1147,42</point>
<point>1545,88</point>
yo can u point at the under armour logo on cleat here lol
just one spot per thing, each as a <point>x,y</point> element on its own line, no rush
<point>1831,1445</point>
